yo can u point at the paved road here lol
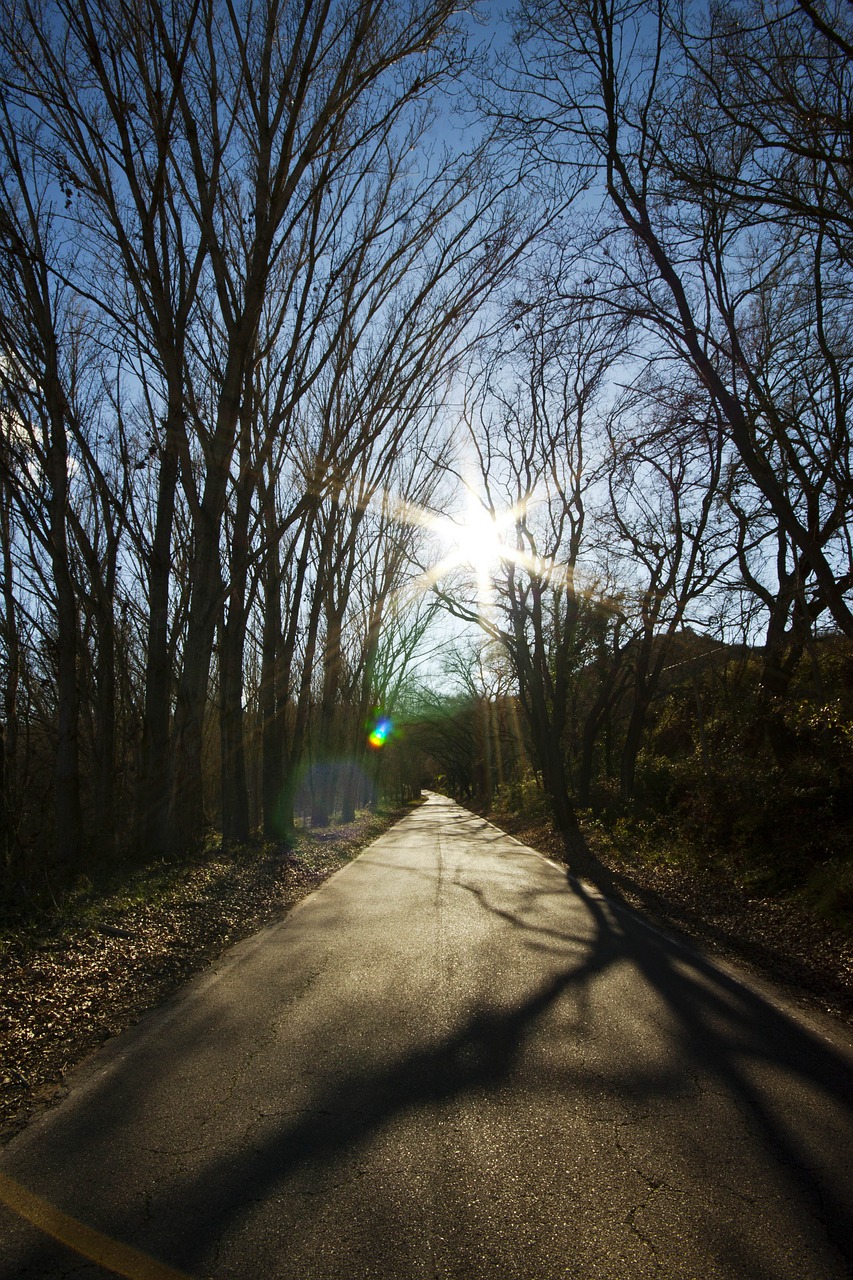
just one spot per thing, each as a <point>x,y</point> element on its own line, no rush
<point>450,1062</point>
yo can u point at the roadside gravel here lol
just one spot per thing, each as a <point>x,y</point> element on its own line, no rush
<point>70,981</point>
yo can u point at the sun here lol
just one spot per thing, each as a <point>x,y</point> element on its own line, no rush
<point>476,540</point>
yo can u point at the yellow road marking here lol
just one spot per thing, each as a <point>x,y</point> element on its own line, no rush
<point>112,1254</point>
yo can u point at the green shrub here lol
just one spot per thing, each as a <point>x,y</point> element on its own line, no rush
<point>764,826</point>
<point>523,797</point>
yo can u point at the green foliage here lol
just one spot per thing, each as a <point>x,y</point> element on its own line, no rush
<point>523,796</point>
<point>766,826</point>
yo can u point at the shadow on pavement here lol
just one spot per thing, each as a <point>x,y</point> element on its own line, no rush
<point>721,1029</point>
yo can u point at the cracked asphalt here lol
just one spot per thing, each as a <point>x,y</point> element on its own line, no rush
<point>450,1061</point>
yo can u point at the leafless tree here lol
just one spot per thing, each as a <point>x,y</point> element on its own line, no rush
<point>531,438</point>
<point>671,542</point>
<point>704,205</point>
<point>240,196</point>
<point>43,399</point>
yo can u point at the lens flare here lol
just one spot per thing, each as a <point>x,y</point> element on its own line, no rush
<point>380,734</point>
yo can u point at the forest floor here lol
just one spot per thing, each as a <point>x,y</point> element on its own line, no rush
<point>72,977</point>
<point>809,956</point>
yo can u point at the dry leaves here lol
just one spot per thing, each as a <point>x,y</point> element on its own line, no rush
<point>776,937</point>
<point>63,995</point>
<point>65,990</point>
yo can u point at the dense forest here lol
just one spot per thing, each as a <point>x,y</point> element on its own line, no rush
<point>396,393</point>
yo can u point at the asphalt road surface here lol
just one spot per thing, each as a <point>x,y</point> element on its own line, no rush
<point>450,1061</point>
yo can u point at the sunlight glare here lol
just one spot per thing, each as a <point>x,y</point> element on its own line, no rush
<point>476,539</point>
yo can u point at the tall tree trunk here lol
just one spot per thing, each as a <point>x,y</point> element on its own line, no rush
<point>546,733</point>
<point>105,715</point>
<point>352,783</point>
<point>66,777</point>
<point>296,747</point>
<point>277,655</point>
<point>232,759</point>
<point>187,811</point>
<point>9,754</point>
<point>235,791</point>
<point>783,651</point>
<point>155,781</point>
<point>631,745</point>
<point>272,720</point>
<point>356,780</point>
<point>485,717</point>
<point>325,785</point>
<point>557,789</point>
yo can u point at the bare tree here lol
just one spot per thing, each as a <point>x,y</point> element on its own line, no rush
<point>532,440</point>
<point>329,90</point>
<point>39,342</point>
<point>212,160</point>
<point>608,90</point>
<point>671,542</point>
<point>9,851</point>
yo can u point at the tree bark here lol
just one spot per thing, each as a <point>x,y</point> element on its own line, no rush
<point>631,745</point>
<point>105,711</point>
<point>235,791</point>
<point>155,781</point>
<point>66,776</point>
<point>9,745</point>
<point>272,717</point>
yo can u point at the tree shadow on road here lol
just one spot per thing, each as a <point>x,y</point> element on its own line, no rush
<point>722,1034</point>
<point>721,1029</point>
